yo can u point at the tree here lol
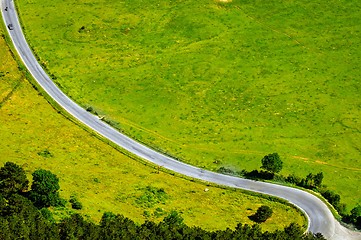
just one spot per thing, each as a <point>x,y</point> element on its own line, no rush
<point>12,179</point>
<point>292,178</point>
<point>272,163</point>
<point>319,236</point>
<point>75,227</point>
<point>332,197</point>
<point>358,222</point>
<point>313,181</point>
<point>317,179</point>
<point>44,189</point>
<point>262,214</point>
<point>293,231</point>
<point>24,221</point>
<point>355,216</point>
<point>309,180</point>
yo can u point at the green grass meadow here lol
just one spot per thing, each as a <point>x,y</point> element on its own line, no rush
<point>214,83</point>
<point>34,135</point>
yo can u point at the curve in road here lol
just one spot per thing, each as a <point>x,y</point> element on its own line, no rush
<point>319,216</point>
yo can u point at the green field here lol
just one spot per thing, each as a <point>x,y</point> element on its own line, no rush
<point>216,84</point>
<point>34,135</point>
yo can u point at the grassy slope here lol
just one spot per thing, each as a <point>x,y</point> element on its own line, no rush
<point>207,81</point>
<point>102,178</point>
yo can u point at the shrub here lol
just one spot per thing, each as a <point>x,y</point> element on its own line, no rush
<point>45,153</point>
<point>255,174</point>
<point>75,204</point>
<point>152,196</point>
<point>226,171</point>
<point>293,179</point>
<point>262,214</point>
<point>334,199</point>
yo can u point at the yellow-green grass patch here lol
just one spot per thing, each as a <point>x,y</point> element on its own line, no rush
<point>34,135</point>
<point>216,84</point>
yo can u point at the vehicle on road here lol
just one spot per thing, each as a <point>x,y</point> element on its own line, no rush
<point>10,26</point>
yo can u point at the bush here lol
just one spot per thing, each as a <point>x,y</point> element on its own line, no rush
<point>151,197</point>
<point>173,218</point>
<point>75,204</point>
<point>355,214</point>
<point>226,171</point>
<point>255,174</point>
<point>262,214</point>
<point>334,199</point>
<point>45,153</point>
<point>293,179</point>
<point>331,197</point>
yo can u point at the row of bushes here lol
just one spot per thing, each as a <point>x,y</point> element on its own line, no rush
<point>311,181</point>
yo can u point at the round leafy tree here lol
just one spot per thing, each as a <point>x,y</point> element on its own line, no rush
<point>44,189</point>
<point>272,163</point>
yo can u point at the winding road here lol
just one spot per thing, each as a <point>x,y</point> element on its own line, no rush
<point>319,216</point>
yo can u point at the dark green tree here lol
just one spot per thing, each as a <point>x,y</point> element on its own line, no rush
<point>358,222</point>
<point>319,236</point>
<point>24,221</point>
<point>355,216</point>
<point>44,189</point>
<point>332,197</point>
<point>292,178</point>
<point>262,214</point>
<point>12,179</point>
<point>272,163</point>
<point>5,231</point>
<point>293,231</point>
<point>313,181</point>
<point>309,182</point>
<point>47,214</point>
<point>317,179</point>
<point>75,227</point>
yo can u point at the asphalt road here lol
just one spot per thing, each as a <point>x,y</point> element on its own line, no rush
<point>319,216</point>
